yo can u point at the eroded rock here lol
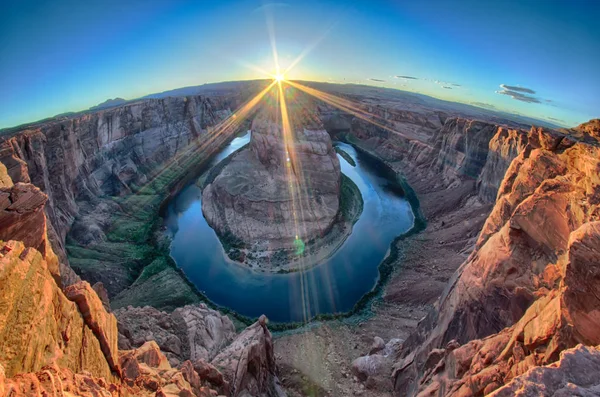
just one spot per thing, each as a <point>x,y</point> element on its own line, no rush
<point>192,332</point>
<point>280,190</point>
<point>248,364</point>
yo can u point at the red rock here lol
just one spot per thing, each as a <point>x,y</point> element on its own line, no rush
<point>103,324</point>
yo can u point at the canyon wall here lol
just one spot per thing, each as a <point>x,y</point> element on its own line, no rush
<point>106,173</point>
<point>65,341</point>
<point>521,311</point>
<point>528,291</point>
<point>106,153</point>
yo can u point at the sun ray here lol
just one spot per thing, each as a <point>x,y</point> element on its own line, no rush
<point>355,110</point>
<point>308,49</point>
<point>185,159</point>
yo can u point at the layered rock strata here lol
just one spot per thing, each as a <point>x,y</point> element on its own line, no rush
<point>279,190</point>
<point>192,332</point>
<point>528,290</point>
<point>56,341</point>
<point>105,174</point>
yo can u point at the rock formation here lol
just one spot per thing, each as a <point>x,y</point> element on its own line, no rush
<point>83,162</point>
<point>40,326</point>
<point>53,342</point>
<point>574,374</point>
<point>521,298</point>
<point>192,332</point>
<point>56,341</point>
<point>249,364</point>
<point>279,190</point>
<point>529,289</point>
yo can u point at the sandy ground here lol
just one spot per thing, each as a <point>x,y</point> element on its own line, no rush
<point>318,362</point>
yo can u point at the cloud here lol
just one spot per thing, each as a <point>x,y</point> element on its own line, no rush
<point>520,94</point>
<point>407,77</point>
<point>559,120</point>
<point>517,88</point>
<point>377,80</point>
<point>446,87</point>
<point>456,85</point>
<point>483,105</point>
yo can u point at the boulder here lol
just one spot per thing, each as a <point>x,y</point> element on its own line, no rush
<point>248,363</point>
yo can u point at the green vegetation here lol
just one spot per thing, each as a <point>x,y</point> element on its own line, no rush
<point>346,156</point>
<point>135,256</point>
<point>351,201</point>
<point>136,252</point>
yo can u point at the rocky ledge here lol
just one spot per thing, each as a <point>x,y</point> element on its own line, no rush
<point>278,193</point>
<point>58,340</point>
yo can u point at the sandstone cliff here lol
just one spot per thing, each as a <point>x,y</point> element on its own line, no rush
<point>278,190</point>
<point>55,341</point>
<point>105,174</point>
<point>529,289</point>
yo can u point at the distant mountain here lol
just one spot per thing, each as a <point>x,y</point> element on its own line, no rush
<point>109,103</point>
<point>212,88</point>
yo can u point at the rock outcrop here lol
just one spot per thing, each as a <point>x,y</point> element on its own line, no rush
<point>192,332</point>
<point>40,326</point>
<point>280,190</point>
<point>22,219</point>
<point>53,342</point>
<point>529,289</point>
<point>574,374</point>
<point>249,363</point>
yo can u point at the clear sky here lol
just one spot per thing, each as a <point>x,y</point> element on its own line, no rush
<point>539,58</point>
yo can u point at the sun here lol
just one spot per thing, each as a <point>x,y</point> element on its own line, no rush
<point>279,77</point>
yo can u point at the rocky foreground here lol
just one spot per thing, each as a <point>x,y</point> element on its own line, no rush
<point>277,191</point>
<point>66,341</point>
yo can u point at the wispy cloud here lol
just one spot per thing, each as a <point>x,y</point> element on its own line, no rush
<point>407,77</point>
<point>517,88</point>
<point>520,93</point>
<point>483,105</point>
<point>457,85</point>
<point>447,87</point>
<point>553,119</point>
<point>377,80</point>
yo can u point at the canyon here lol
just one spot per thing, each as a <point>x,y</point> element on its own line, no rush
<point>496,294</point>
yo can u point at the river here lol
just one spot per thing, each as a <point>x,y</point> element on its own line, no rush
<point>331,287</point>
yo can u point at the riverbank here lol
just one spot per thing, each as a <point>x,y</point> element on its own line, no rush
<point>134,258</point>
<point>345,156</point>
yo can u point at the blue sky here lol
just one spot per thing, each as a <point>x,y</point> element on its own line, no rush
<point>58,56</point>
